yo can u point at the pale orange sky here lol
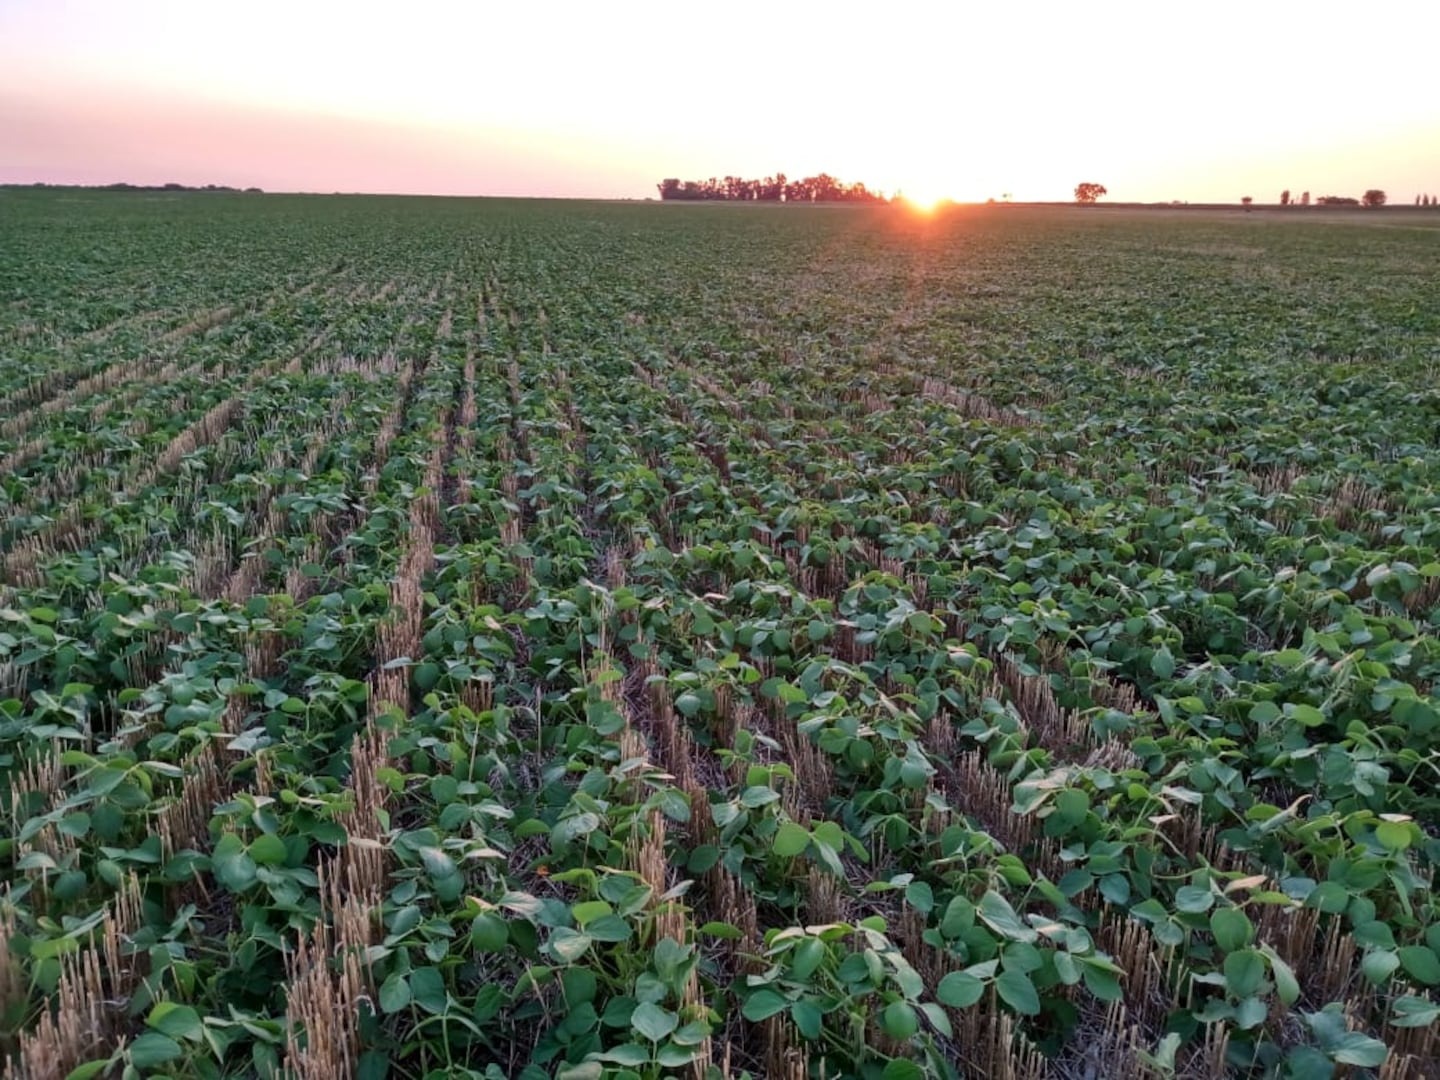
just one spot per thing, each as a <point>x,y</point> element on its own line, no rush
<point>1156,100</point>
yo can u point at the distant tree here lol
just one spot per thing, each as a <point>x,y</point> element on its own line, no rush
<point>1285,197</point>
<point>1087,192</point>
<point>1337,200</point>
<point>822,188</point>
<point>1246,201</point>
<point>1374,197</point>
<point>1305,198</point>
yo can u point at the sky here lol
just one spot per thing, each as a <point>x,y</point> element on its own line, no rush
<point>1160,100</point>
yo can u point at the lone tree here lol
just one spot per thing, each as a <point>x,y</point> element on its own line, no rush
<point>1246,201</point>
<point>1305,198</point>
<point>1285,197</point>
<point>1374,197</point>
<point>1088,192</point>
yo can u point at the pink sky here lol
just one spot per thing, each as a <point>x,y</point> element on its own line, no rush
<point>1197,102</point>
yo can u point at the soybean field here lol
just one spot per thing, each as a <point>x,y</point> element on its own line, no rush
<point>602,641</point>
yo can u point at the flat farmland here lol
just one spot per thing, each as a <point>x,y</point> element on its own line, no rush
<point>522,639</point>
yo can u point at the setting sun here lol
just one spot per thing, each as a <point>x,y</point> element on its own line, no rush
<point>923,200</point>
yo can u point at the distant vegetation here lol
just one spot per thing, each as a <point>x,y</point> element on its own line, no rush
<point>777,188</point>
<point>1087,192</point>
<point>122,186</point>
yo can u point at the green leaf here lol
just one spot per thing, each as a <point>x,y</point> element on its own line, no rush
<point>900,1020</point>
<point>1264,712</point>
<point>920,896</point>
<point>231,864</point>
<point>632,1054</point>
<point>1393,835</point>
<point>394,993</point>
<point>762,1005</point>
<point>1421,964</point>
<point>1104,984</point>
<point>1308,1063</point>
<point>959,990</point>
<point>1244,972</point>
<point>438,863</point>
<point>691,1034</point>
<point>427,988</point>
<point>1232,928</point>
<point>1076,881</point>
<point>610,928</point>
<point>1250,1013</point>
<point>1194,899</point>
<point>724,931</point>
<point>702,858</point>
<point>588,911</point>
<point>568,945</point>
<point>808,1019</point>
<point>152,1049</point>
<point>997,914</point>
<point>1017,991</point>
<point>757,796</point>
<point>1374,935</point>
<point>1330,897</point>
<point>1162,664</point>
<point>653,1022</point>
<point>1353,1048</point>
<point>177,1021</point>
<point>1379,964</point>
<point>902,1069</point>
<point>267,850</point>
<point>805,958</point>
<point>672,1056</point>
<point>489,932</point>
<point>959,916</point>
<point>1410,1011</point>
<point>791,840</point>
<point>1022,957</point>
<point>1286,985</point>
<point>1071,806</point>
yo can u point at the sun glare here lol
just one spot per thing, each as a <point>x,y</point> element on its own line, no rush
<point>923,200</point>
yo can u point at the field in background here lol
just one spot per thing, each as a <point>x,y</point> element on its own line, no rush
<point>600,640</point>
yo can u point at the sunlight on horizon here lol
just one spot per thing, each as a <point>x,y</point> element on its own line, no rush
<point>569,99</point>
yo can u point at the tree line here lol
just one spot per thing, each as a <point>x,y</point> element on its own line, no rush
<point>1373,197</point>
<point>777,188</point>
<point>121,185</point>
